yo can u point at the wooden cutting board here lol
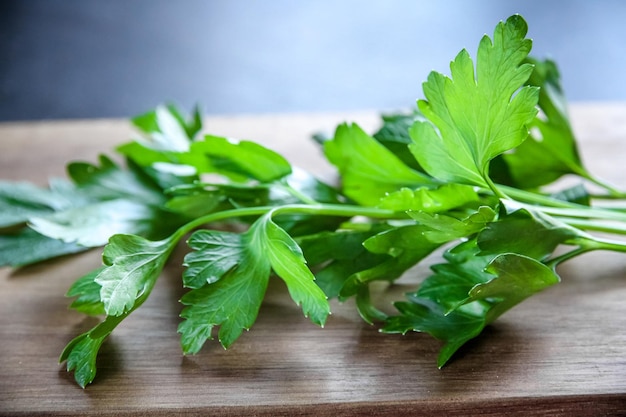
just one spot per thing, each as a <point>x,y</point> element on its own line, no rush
<point>563,352</point>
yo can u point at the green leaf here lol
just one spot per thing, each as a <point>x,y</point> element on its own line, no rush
<point>423,315</point>
<point>335,256</point>
<point>474,118</point>
<point>191,123</point>
<point>239,274</point>
<point>108,181</point>
<point>214,254</point>
<point>132,266</point>
<point>289,263</point>
<point>467,293</point>
<point>81,354</point>
<point>82,351</point>
<point>92,225</point>
<point>107,200</point>
<point>144,156</point>
<point>517,278</point>
<point>452,280</point>
<point>441,228</point>
<point>20,201</point>
<point>395,128</point>
<point>405,247</point>
<point>238,278</point>
<point>551,150</point>
<point>165,129</point>
<point>198,199</point>
<point>233,303</point>
<point>27,247</point>
<point>527,233</point>
<point>238,160</point>
<point>576,194</point>
<point>369,171</point>
<point>444,198</point>
<point>394,135</point>
<point>438,308</point>
<point>366,308</point>
<point>87,293</point>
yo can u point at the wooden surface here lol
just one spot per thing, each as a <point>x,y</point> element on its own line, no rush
<point>562,352</point>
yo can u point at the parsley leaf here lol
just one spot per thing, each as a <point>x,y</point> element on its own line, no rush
<point>87,294</point>
<point>517,278</point>
<point>238,160</point>
<point>423,315</point>
<point>367,168</point>
<point>19,201</point>
<point>27,247</point>
<point>525,232</point>
<point>82,351</point>
<point>441,199</point>
<point>551,150</point>
<point>336,256</point>
<point>114,200</point>
<point>476,117</point>
<point>507,279</point>
<point>165,129</point>
<point>236,269</point>
<point>92,225</point>
<point>132,264</point>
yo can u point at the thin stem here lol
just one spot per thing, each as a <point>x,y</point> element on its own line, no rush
<point>552,206</point>
<point>221,215</point>
<point>595,225</point>
<point>598,243</point>
<point>296,193</point>
<point>318,209</point>
<point>496,189</point>
<point>588,244</point>
<point>583,212</point>
<point>552,263</point>
<point>535,198</point>
<point>613,191</point>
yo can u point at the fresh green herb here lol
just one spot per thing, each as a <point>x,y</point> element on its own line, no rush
<point>466,172</point>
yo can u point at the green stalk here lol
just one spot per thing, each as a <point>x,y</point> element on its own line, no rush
<point>613,191</point>
<point>496,189</point>
<point>316,209</point>
<point>561,208</point>
<point>538,199</point>
<point>598,243</point>
<point>595,225</point>
<point>585,245</point>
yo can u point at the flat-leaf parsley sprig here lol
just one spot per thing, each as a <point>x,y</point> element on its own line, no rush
<point>472,170</point>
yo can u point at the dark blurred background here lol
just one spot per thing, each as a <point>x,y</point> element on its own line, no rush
<point>95,58</point>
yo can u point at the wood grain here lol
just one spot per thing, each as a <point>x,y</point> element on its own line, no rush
<point>561,353</point>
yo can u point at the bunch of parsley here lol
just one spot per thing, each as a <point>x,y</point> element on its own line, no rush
<point>466,172</point>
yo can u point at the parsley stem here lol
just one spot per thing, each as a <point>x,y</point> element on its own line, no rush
<point>561,208</point>
<point>347,210</point>
<point>220,215</point>
<point>587,245</point>
<point>321,209</point>
<point>552,263</point>
<point>595,225</point>
<point>584,212</point>
<point>496,189</point>
<point>296,193</point>
<point>598,243</point>
<point>613,191</point>
<point>536,198</point>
